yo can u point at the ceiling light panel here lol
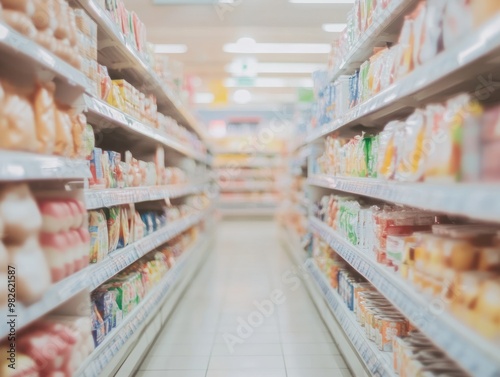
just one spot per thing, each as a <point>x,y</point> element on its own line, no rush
<point>277,48</point>
<point>170,49</point>
<point>322,1</point>
<point>334,28</point>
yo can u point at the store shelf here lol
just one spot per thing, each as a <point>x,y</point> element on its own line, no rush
<point>136,320</point>
<point>122,58</point>
<point>385,27</point>
<point>112,197</point>
<point>468,66</point>
<point>249,164</point>
<point>477,201</point>
<point>16,166</point>
<point>96,274</point>
<point>25,55</point>
<point>377,362</point>
<point>473,353</point>
<point>122,258</point>
<point>105,117</point>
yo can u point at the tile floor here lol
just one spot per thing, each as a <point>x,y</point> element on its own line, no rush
<point>205,336</point>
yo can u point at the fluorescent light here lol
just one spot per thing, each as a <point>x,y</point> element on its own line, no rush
<point>204,97</point>
<point>322,1</point>
<point>334,28</point>
<point>271,82</point>
<point>242,96</point>
<point>170,49</point>
<point>235,67</point>
<point>249,46</point>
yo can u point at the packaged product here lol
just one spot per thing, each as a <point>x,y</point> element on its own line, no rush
<point>20,22</point>
<point>404,50</point>
<point>44,107</point>
<point>457,21</point>
<point>17,120</point>
<point>113,223</point>
<point>34,278</point>
<point>387,151</point>
<point>64,138</point>
<point>106,169</point>
<point>19,213</point>
<point>99,244</point>
<point>483,10</point>
<point>124,227</point>
<point>411,154</point>
<point>96,168</point>
<point>98,327</point>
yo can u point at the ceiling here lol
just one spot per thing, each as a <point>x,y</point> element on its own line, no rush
<point>206,28</point>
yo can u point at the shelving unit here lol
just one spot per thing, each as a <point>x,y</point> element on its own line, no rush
<point>106,118</point>
<point>109,356</point>
<point>30,57</point>
<point>377,362</point>
<point>477,201</point>
<point>385,28</point>
<point>96,274</point>
<point>476,355</point>
<point>20,166</point>
<point>95,198</point>
<point>465,67</point>
<point>116,52</point>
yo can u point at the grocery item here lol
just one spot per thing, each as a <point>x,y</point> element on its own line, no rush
<point>113,223</point>
<point>99,243</point>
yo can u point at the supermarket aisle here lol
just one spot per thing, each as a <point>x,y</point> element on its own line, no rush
<point>247,267</point>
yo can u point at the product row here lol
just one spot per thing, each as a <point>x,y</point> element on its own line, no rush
<point>454,141</point>
<point>413,353</point>
<point>59,345</point>
<point>52,237</point>
<point>459,263</point>
<point>110,170</point>
<point>434,26</point>
<point>117,298</point>
<point>116,227</point>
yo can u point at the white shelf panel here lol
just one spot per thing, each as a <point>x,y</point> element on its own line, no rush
<point>469,66</point>
<point>476,355</point>
<point>96,274</point>
<point>99,359</point>
<point>28,55</point>
<point>104,116</point>
<point>247,211</point>
<point>377,362</point>
<point>112,197</point>
<point>118,54</point>
<point>383,29</point>
<point>17,166</point>
<point>477,201</point>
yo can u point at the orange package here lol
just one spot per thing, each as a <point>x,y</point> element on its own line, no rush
<point>45,116</point>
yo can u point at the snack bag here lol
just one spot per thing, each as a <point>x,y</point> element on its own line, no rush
<point>113,222</point>
<point>98,236</point>
<point>411,159</point>
<point>387,151</point>
<point>124,237</point>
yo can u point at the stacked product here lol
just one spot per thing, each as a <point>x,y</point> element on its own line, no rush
<point>32,121</point>
<point>48,238</point>
<point>54,346</point>
<point>109,171</point>
<point>51,24</point>
<point>413,354</point>
<point>118,297</point>
<point>432,27</point>
<point>116,227</point>
<point>458,263</point>
<point>452,142</point>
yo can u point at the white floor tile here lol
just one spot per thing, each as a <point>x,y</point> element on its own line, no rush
<point>293,349</point>
<point>175,363</point>
<point>246,362</point>
<point>250,349</point>
<point>171,373</point>
<point>247,373</point>
<point>175,349</point>
<point>318,373</point>
<point>242,269</point>
<point>314,361</point>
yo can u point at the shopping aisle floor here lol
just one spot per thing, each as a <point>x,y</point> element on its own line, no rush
<point>247,265</point>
